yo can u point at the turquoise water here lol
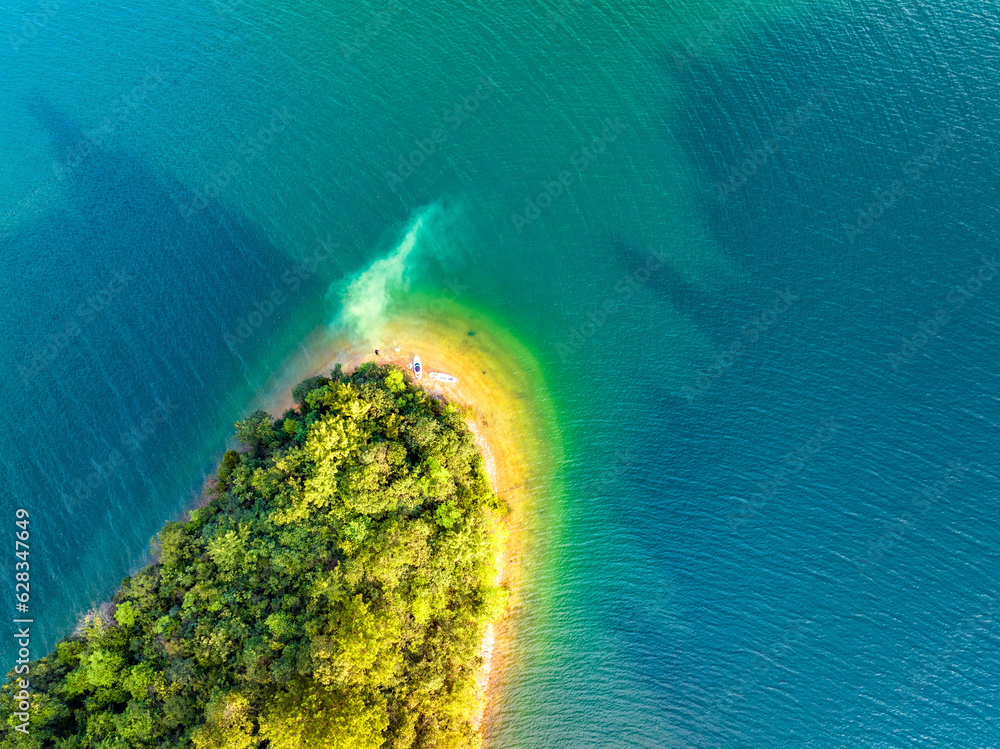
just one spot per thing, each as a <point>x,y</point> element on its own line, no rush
<point>753,246</point>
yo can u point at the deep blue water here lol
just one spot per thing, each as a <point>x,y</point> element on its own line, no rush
<point>778,512</point>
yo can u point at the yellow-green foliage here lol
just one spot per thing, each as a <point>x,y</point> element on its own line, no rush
<point>350,719</point>
<point>332,595</point>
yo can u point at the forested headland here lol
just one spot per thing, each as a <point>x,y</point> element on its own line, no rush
<point>333,593</point>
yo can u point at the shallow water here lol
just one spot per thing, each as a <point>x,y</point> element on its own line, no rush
<point>717,228</point>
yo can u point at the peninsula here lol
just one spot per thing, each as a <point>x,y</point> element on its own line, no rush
<point>335,591</point>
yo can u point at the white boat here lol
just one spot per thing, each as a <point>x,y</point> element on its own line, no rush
<point>416,368</point>
<point>442,377</point>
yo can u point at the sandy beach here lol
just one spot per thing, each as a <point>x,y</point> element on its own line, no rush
<point>507,409</point>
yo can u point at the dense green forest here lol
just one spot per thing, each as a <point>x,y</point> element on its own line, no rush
<point>333,593</point>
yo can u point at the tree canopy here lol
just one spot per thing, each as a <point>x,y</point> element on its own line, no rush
<point>333,594</point>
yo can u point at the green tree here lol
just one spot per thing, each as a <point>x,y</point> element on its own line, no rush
<point>228,724</point>
<point>256,431</point>
<point>125,614</point>
<point>315,716</point>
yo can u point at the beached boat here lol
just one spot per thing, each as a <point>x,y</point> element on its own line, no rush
<point>442,377</point>
<point>416,368</point>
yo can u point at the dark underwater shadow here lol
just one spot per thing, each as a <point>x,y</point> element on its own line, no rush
<point>826,359</point>
<point>121,312</point>
<point>836,114</point>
